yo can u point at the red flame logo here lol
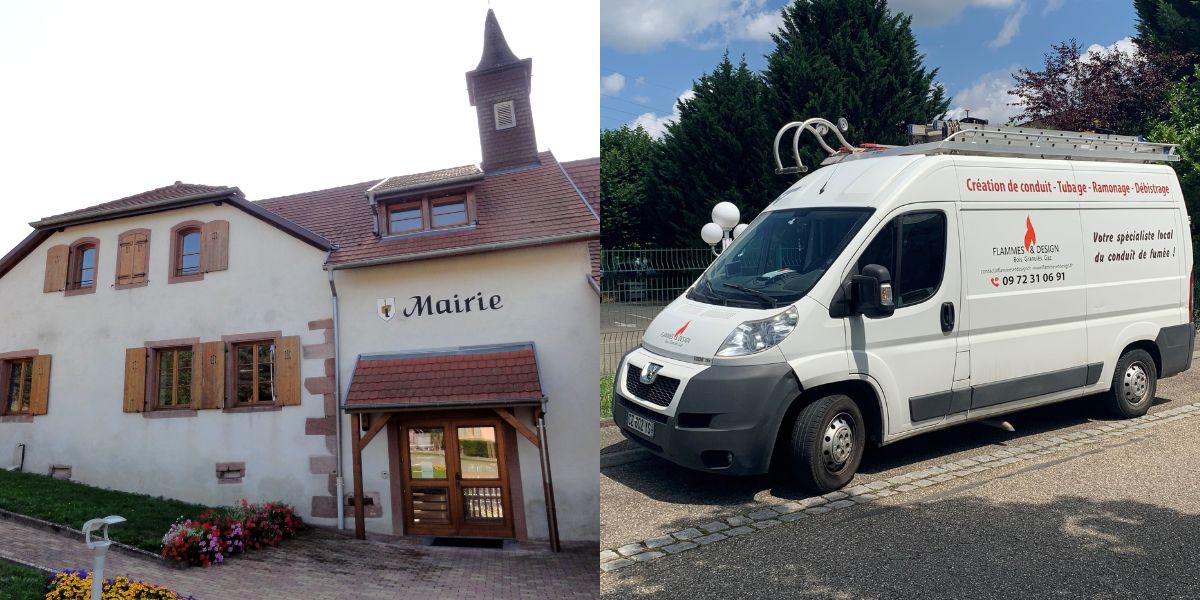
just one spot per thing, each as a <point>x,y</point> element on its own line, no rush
<point>1030,235</point>
<point>682,329</point>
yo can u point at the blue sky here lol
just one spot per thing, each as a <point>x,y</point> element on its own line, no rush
<point>652,50</point>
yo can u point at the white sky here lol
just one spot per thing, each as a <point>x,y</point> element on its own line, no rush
<point>103,100</point>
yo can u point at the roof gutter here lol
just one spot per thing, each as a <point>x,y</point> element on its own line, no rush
<point>395,407</point>
<point>441,253</point>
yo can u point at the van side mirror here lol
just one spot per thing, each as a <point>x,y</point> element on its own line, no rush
<point>871,292</point>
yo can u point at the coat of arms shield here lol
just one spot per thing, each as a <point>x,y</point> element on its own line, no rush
<point>387,308</point>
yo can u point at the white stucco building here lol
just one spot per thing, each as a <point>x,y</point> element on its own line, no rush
<point>426,339</point>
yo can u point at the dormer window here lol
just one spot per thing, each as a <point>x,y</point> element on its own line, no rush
<point>428,213</point>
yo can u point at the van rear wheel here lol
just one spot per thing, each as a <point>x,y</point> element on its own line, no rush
<point>827,443</point>
<point>1134,384</point>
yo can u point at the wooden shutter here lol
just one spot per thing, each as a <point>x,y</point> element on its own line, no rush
<point>211,375</point>
<point>135,380</point>
<point>56,269</point>
<point>141,257</point>
<point>39,395</point>
<point>287,370</point>
<point>214,245</point>
<point>125,259</point>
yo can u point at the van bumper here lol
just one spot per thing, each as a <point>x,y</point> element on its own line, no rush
<point>724,419</point>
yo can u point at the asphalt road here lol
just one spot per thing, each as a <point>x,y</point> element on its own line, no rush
<point>1115,519</point>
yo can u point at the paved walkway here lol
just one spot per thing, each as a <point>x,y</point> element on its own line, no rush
<point>325,565</point>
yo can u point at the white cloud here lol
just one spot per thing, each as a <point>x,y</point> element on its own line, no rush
<point>641,80</point>
<point>611,85</point>
<point>1052,5</point>
<point>987,98</point>
<point>646,25</point>
<point>933,13</point>
<point>655,125</point>
<point>1124,45</point>
<point>642,99</point>
<point>1011,27</point>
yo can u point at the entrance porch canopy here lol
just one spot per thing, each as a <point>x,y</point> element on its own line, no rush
<point>499,377</point>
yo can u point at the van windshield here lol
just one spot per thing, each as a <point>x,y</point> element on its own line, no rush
<point>780,257</point>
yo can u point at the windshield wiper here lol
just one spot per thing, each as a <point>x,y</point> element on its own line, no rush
<point>710,294</point>
<point>771,303</point>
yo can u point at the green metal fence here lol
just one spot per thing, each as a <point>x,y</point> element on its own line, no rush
<point>634,286</point>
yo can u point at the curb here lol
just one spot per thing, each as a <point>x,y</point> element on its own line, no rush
<point>771,515</point>
<point>28,565</point>
<point>64,531</point>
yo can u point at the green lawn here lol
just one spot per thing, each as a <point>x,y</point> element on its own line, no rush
<point>606,396</point>
<point>71,504</point>
<point>21,583</point>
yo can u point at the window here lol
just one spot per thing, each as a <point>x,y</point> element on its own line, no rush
<point>255,372</point>
<point>919,240</point>
<point>81,270</point>
<point>449,211</point>
<point>173,370</point>
<point>18,383</point>
<point>428,213</point>
<point>406,217</point>
<point>133,251</point>
<point>198,248</point>
<point>189,252</point>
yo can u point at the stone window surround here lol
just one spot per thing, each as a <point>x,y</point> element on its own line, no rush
<point>74,266</point>
<point>177,247</point>
<point>7,356</point>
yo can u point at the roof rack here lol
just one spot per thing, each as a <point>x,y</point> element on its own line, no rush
<point>956,137</point>
<point>993,140</point>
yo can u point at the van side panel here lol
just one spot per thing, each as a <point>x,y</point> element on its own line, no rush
<point>1025,285</point>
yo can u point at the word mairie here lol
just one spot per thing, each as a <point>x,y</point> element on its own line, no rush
<point>426,305</point>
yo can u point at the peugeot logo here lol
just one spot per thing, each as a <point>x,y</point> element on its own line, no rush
<point>650,373</point>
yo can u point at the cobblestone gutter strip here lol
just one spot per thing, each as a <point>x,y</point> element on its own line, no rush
<point>67,532</point>
<point>612,559</point>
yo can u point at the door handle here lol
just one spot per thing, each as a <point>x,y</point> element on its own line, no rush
<point>947,316</point>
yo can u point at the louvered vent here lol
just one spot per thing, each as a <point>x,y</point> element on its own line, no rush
<point>506,117</point>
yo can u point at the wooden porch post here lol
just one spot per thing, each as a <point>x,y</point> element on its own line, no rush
<point>360,528</point>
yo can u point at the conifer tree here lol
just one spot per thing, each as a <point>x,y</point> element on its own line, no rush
<point>718,150</point>
<point>853,59</point>
<point>624,157</point>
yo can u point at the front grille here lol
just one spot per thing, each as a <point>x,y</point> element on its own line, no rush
<point>659,393</point>
<point>641,410</point>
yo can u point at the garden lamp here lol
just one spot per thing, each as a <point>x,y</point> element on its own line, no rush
<point>99,548</point>
<point>724,228</point>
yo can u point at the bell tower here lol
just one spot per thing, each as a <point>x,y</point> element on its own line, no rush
<point>499,90</point>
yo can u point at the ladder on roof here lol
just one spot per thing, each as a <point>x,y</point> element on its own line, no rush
<point>954,137</point>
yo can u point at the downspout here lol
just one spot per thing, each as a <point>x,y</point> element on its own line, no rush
<point>337,390</point>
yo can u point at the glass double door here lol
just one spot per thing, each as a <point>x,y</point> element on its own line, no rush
<point>455,477</point>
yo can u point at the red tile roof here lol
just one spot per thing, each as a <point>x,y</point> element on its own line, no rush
<point>490,376</point>
<point>586,175</point>
<point>520,207</point>
<point>170,192</point>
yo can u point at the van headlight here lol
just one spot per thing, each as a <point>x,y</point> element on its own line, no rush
<point>756,336</point>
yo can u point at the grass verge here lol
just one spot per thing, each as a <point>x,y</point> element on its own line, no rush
<point>18,582</point>
<point>606,396</point>
<point>72,504</point>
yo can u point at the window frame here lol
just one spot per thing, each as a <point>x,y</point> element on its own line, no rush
<point>255,366</point>
<point>5,380</point>
<point>897,248</point>
<point>232,405</point>
<point>176,263</point>
<point>145,268</point>
<point>74,286</point>
<point>156,355</point>
<point>150,399</point>
<point>427,201</point>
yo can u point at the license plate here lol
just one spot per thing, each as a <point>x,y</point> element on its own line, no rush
<point>640,424</point>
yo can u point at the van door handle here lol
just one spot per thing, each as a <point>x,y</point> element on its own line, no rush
<point>947,316</point>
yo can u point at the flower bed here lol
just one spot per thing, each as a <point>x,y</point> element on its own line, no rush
<point>78,584</point>
<point>215,535</point>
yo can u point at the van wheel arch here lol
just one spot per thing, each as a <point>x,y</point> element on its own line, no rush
<point>861,391</point>
<point>1150,347</point>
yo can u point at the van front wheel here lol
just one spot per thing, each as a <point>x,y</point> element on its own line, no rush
<point>827,443</point>
<point>1134,384</point>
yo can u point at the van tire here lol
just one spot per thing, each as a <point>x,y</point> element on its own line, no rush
<point>827,443</point>
<point>1134,384</point>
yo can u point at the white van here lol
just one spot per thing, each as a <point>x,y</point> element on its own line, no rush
<point>904,290</point>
